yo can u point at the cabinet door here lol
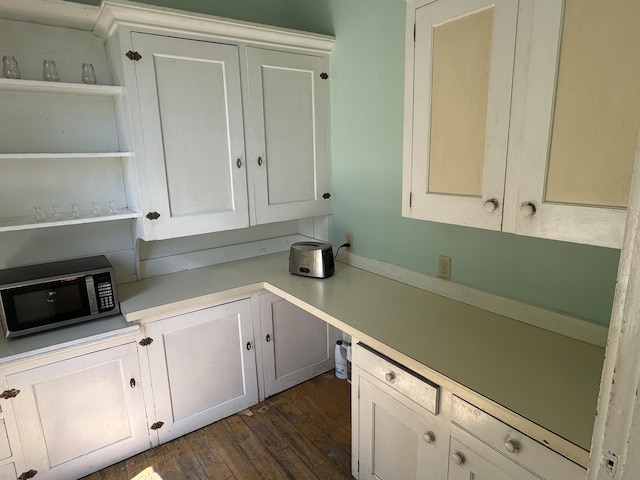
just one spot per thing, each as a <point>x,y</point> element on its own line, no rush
<point>191,113</point>
<point>479,462</point>
<point>458,93</point>
<point>576,118</point>
<point>203,367</point>
<point>288,103</point>
<point>296,345</point>
<point>397,439</point>
<point>81,414</point>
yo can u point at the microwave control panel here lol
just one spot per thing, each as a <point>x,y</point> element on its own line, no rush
<point>104,292</point>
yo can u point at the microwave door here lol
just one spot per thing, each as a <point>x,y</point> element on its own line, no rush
<point>33,306</point>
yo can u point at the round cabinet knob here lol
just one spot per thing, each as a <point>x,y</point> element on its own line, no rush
<point>528,209</point>
<point>491,205</point>
<point>390,376</point>
<point>512,446</point>
<point>429,437</point>
<point>457,458</point>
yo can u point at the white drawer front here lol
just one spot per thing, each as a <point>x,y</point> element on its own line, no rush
<point>417,388</point>
<point>514,444</point>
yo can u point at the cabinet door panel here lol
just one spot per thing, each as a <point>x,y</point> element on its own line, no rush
<point>78,414</point>
<point>575,122</point>
<point>391,437</point>
<point>300,345</point>
<point>201,368</point>
<point>190,105</point>
<point>288,103</point>
<point>459,95</point>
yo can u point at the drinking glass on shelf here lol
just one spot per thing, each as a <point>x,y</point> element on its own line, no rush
<point>95,210</point>
<point>56,211</point>
<point>39,214</point>
<point>88,74</point>
<point>112,207</point>
<point>10,67</point>
<point>50,71</point>
<point>75,213</point>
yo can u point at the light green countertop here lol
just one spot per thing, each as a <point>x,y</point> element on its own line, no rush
<point>547,383</point>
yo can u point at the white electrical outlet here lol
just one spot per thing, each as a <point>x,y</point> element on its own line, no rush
<point>348,238</point>
<point>444,267</point>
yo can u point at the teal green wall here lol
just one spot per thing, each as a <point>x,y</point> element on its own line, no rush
<point>367,105</point>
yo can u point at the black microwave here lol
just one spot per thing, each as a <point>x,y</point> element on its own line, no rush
<point>39,297</point>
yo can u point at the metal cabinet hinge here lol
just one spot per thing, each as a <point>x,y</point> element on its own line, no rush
<point>146,341</point>
<point>135,56</point>
<point>7,394</point>
<point>410,199</point>
<point>30,474</point>
<point>152,215</point>
<point>157,425</point>
<point>326,195</point>
<point>324,75</point>
<point>414,32</point>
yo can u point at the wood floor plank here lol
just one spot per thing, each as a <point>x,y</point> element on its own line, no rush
<point>209,457</point>
<point>235,459</point>
<point>257,453</point>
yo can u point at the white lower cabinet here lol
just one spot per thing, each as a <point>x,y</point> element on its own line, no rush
<point>483,447</point>
<point>78,414</point>
<point>296,345</point>
<point>397,431</point>
<point>203,367</point>
<point>404,426</point>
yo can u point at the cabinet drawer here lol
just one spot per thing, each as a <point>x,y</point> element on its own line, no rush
<point>417,388</point>
<point>513,444</point>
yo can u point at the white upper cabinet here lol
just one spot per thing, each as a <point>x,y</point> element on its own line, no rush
<point>229,121</point>
<point>575,122</point>
<point>289,121</point>
<point>191,113</point>
<point>457,110</point>
<point>522,116</point>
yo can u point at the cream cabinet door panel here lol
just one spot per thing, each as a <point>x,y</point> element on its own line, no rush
<point>203,367</point>
<point>392,437</point>
<point>296,345</point>
<point>458,94</point>
<point>574,122</point>
<point>80,414</point>
<point>288,103</point>
<point>191,111</point>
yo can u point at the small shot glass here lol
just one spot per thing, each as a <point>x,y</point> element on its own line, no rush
<point>112,207</point>
<point>56,211</point>
<point>75,213</point>
<point>94,209</point>
<point>39,214</point>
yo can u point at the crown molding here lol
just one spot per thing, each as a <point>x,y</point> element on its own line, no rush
<point>50,12</point>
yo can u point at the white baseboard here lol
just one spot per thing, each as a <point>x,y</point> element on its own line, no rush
<point>554,321</point>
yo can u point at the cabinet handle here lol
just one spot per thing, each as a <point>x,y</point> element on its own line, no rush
<point>29,474</point>
<point>458,458</point>
<point>429,437</point>
<point>268,339</point>
<point>528,209</point>
<point>259,161</point>
<point>239,163</point>
<point>512,446</point>
<point>132,383</point>
<point>249,346</point>
<point>390,376</point>
<point>491,205</point>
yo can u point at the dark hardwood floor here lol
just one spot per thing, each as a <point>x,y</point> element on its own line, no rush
<point>302,433</point>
